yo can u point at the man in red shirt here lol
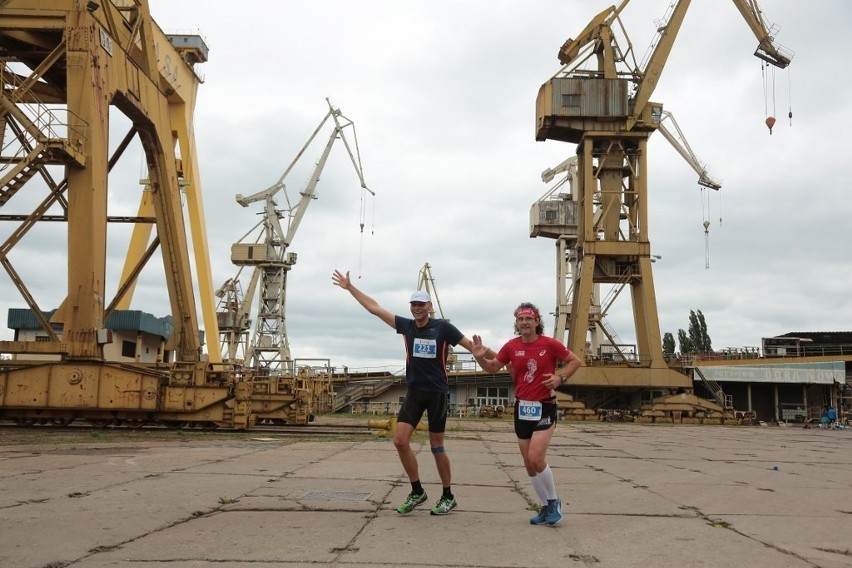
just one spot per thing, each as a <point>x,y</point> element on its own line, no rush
<point>534,361</point>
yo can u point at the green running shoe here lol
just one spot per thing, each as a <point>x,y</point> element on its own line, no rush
<point>410,502</point>
<point>444,506</point>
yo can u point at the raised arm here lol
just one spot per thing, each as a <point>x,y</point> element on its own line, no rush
<point>372,306</point>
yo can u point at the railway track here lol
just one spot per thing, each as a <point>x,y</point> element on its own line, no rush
<point>257,430</point>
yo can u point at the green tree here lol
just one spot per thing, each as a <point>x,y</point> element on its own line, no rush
<point>686,347</point>
<point>668,344</point>
<point>697,340</point>
<point>698,333</point>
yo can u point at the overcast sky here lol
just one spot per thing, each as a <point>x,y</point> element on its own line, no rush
<point>442,95</point>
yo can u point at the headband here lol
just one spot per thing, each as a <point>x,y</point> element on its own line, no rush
<point>526,312</point>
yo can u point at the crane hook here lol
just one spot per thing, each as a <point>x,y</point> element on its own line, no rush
<point>770,122</point>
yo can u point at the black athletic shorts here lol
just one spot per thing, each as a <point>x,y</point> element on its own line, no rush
<point>524,428</point>
<point>416,402</point>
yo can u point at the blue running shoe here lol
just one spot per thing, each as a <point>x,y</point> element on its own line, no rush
<point>541,517</point>
<point>554,513</point>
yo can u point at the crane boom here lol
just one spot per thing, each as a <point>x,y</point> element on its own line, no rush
<point>767,49</point>
<point>678,140</point>
<point>666,35</point>
<point>298,212</point>
<point>598,34</point>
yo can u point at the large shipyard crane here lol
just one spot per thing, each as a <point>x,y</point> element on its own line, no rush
<point>66,66</point>
<point>268,350</point>
<point>554,215</point>
<point>606,110</point>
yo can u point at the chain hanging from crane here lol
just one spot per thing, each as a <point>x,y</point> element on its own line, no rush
<point>705,213</point>
<point>363,216</point>
<point>789,97</point>
<point>767,84</point>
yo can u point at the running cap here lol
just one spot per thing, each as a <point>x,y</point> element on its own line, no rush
<point>420,296</point>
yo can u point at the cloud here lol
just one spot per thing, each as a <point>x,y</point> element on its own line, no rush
<point>443,97</point>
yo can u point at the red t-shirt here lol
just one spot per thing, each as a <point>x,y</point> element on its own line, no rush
<point>530,362</point>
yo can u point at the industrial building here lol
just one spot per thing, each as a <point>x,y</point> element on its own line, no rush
<point>797,375</point>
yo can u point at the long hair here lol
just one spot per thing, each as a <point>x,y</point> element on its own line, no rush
<point>539,327</point>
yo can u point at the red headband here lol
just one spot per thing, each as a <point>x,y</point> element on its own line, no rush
<point>526,312</point>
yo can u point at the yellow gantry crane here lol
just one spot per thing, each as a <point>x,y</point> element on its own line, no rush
<point>606,110</point>
<point>65,64</point>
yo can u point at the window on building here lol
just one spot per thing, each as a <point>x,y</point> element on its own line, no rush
<point>494,396</point>
<point>571,100</point>
<point>128,349</point>
<point>648,396</point>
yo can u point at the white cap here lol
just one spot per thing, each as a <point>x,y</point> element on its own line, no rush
<point>420,296</point>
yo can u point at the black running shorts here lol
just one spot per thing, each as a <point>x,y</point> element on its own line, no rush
<point>524,428</point>
<point>433,403</point>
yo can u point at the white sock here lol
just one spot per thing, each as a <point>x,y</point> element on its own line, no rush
<point>547,483</point>
<point>538,485</point>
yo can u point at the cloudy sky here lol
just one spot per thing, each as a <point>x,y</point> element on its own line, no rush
<point>442,95</point>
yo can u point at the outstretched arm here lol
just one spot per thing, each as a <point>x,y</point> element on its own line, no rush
<point>372,306</point>
<point>484,355</point>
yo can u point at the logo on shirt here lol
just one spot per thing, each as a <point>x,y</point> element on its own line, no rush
<point>532,367</point>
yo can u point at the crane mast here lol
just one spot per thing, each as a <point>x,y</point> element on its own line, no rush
<point>607,112</point>
<point>426,282</point>
<point>268,350</point>
<point>554,215</point>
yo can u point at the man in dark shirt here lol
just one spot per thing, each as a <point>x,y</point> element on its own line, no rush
<point>427,344</point>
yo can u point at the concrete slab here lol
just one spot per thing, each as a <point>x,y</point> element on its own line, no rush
<point>639,495</point>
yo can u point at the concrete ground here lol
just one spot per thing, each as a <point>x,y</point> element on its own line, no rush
<point>639,495</point>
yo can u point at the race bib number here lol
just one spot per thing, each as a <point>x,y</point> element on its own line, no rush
<point>426,348</point>
<point>529,410</point>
